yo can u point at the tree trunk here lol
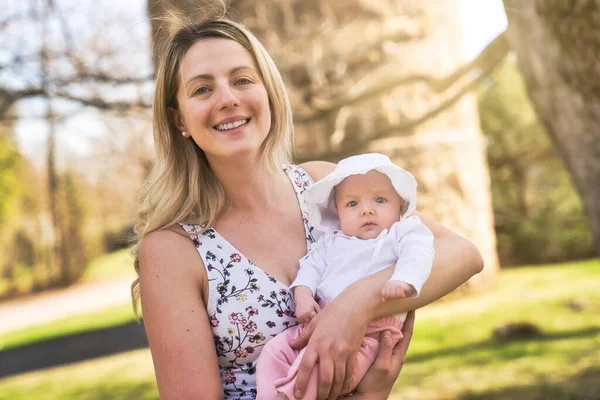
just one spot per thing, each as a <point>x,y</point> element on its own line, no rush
<point>60,251</point>
<point>557,44</point>
<point>385,76</point>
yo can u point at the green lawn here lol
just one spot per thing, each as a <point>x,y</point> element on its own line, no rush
<point>453,354</point>
<point>78,323</point>
<point>127,376</point>
<point>116,264</point>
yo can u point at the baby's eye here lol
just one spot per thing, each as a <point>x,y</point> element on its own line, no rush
<point>201,90</point>
<point>352,204</point>
<point>380,200</point>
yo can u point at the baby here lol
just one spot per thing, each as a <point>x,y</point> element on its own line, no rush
<point>363,209</point>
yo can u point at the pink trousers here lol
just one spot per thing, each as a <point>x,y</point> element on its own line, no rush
<point>277,366</point>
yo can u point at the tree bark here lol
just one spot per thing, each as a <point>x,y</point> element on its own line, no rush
<point>557,43</point>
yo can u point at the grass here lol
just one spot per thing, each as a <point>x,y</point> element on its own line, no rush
<point>127,376</point>
<point>452,356</point>
<point>111,265</point>
<point>79,323</point>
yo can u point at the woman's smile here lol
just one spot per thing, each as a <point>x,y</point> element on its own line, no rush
<point>229,124</point>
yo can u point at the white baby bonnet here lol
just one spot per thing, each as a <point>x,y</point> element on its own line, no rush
<point>320,196</point>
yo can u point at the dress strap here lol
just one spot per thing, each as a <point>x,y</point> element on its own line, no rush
<point>207,244</point>
<point>299,177</point>
<point>301,181</point>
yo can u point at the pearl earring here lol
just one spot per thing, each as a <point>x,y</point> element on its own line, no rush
<point>184,134</point>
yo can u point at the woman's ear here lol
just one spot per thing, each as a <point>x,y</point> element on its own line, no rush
<point>176,119</point>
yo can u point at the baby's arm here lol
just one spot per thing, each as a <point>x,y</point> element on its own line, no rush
<point>312,267</point>
<point>414,245</point>
<point>306,306</point>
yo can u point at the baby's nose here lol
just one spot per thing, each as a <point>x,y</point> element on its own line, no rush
<point>367,210</point>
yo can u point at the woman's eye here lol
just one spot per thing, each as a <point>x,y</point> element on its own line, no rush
<point>201,90</point>
<point>380,200</point>
<point>352,203</point>
<point>243,81</point>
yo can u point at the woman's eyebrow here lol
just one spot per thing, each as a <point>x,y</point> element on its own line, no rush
<point>209,77</point>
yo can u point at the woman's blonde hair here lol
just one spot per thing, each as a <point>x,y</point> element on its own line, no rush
<point>182,187</point>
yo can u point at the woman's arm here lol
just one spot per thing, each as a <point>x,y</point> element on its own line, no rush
<point>318,169</point>
<point>172,278</point>
<point>456,261</point>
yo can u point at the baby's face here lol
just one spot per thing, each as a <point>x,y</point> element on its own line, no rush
<point>367,204</point>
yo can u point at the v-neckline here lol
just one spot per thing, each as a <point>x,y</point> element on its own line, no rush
<point>305,225</point>
<point>252,263</point>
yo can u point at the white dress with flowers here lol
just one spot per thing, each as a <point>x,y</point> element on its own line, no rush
<point>246,306</point>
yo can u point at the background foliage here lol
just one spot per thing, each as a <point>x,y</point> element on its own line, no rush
<point>538,214</point>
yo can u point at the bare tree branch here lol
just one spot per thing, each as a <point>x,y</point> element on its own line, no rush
<point>101,104</point>
<point>13,19</point>
<point>68,81</point>
<point>8,98</point>
<point>103,77</point>
<point>406,127</point>
<point>397,29</point>
<point>486,60</point>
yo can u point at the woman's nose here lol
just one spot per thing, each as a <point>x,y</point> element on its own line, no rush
<point>226,98</point>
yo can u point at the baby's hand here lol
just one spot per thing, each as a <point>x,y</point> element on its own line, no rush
<point>396,290</point>
<point>306,310</point>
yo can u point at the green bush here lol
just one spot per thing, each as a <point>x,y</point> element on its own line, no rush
<point>539,215</point>
<point>117,240</point>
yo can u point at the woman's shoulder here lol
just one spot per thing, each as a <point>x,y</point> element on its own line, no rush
<point>318,169</point>
<point>162,239</point>
<point>170,250</point>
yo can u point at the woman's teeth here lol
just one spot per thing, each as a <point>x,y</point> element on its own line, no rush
<point>225,127</point>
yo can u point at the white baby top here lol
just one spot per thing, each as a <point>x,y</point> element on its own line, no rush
<point>337,260</point>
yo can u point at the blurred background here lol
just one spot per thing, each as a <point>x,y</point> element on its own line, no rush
<point>494,106</point>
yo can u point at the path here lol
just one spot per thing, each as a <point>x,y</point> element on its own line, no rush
<point>55,304</point>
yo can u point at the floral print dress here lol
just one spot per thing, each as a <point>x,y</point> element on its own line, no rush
<point>246,306</point>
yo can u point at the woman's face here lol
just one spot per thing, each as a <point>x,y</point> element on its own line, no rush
<point>223,103</point>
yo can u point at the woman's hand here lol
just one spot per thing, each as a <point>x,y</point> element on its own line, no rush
<point>332,339</point>
<point>382,375</point>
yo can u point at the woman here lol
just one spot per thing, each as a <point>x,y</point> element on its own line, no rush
<point>222,229</point>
